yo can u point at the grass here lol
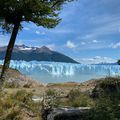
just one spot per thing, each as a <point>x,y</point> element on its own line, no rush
<point>75,98</point>
<point>105,105</point>
<point>13,106</point>
<point>16,103</point>
<point>79,99</point>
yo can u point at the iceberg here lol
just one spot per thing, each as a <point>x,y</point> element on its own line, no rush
<point>49,72</point>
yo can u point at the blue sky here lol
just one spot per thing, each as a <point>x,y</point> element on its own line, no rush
<point>88,28</point>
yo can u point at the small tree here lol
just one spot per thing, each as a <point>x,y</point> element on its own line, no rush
<point>13,12</point>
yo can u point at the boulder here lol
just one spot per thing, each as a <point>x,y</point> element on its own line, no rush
<point>68,113</point>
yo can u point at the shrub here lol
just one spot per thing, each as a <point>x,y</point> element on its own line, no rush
<point>79,99</point>
<point>107,94</point>
<point>103,110</point>
<point>50,92</point>
<point>109,87</point>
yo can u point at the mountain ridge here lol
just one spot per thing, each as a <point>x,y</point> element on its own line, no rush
<point>23,52</point>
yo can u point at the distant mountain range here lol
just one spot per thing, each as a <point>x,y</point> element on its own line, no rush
<point>23,52</point>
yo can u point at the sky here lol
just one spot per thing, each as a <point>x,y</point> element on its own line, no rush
<point>89,28</point>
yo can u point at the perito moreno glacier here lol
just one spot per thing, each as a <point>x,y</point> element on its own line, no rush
<point>51,72</point>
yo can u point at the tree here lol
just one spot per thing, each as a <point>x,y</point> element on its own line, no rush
<point>118,62</point>
<point>43,13</point>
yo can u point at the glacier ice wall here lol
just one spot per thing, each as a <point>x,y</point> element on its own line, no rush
<point>63,72</point>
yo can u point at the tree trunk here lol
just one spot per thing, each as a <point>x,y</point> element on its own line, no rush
<point>10,49</point>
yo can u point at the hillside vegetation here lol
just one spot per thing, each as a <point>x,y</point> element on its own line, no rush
<point>16,98</point>
<point>14,79</point>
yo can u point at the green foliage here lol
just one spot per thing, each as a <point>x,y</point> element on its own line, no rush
<point>75,99</point>
<point>73,94</point>
<point>41,12</point>
<point>103,110</point>
<point>79,99</point>
<point>109,87</point>
<point>51,92</point>
<point>12,106</point>
<point>107,94</point>
<point>118,62</point>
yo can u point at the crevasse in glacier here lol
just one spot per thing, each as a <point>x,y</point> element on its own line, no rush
<point>63,72</point>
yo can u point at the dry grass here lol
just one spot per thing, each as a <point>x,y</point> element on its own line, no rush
<point>18,106</point>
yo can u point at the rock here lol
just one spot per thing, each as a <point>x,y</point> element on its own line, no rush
<point>68,113</point>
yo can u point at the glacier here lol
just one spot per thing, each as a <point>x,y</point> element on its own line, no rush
<point>53,72</point>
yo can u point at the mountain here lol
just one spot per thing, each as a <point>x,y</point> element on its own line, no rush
<point>22,52</point>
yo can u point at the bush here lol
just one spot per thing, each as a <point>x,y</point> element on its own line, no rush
<point>107,94</point>
<point>78,99</point>
<point>104,109</point>
<point>109,87</point>
<point>50,92</point>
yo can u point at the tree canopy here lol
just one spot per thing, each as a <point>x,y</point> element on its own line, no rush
<point>13,12</point>
<point>41,12</point>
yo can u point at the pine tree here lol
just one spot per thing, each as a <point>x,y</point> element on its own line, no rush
<point>43,13</point>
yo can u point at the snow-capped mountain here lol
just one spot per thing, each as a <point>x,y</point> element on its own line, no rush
<point>23,52</point>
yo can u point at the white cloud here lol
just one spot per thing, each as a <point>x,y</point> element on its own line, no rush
<point>116,45</point>
<point>107,25</point>
<point>96,60</point>
<point>26,28</point>
<point>3,40</point>
<point>70,44</point>
<point>51,46</point>
<point>19,42</point>
<point>83,43</point>
<point>62,30</point>
<point>39,32</point>
<point>95,41</point>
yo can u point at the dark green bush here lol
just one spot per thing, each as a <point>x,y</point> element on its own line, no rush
<point>109,87</point>
<point>107,96</point>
